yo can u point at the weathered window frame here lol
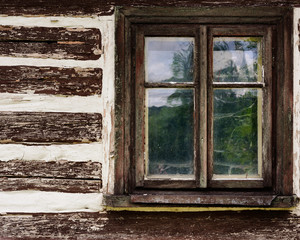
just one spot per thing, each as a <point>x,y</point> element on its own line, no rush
<point>282,104</point>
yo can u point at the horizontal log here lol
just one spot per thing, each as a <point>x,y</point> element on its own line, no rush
<point>51,80</point>
<point>44,184</point>
<point>53,169</point>
<point>50,127</point>
<point>44,42</point>
<point>105,7</point>
<point>244,225</point>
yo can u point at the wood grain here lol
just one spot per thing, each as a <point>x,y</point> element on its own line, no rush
<point>106,7</point>
<point>46,184</point>
<point>57,43</point>
<point>50,127</point>
<point>51,80</point>
<point>52,169</point>
<point>246,225</point>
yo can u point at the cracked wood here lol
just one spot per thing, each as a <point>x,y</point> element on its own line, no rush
<point>45,184</point>
<point>53,169</point>
<point>62,176</point>
<point>106,7</point>
<point>50,127</point>
<point>51,80</point>
<point>45,42</point>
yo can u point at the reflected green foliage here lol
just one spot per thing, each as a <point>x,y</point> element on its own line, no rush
<point>170,125</point>
<point>235,131</point>
<point>182,65</point>
<point>171,135</point>
<point>171,147</point>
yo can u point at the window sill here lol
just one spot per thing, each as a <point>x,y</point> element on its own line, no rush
<point>193,199</point>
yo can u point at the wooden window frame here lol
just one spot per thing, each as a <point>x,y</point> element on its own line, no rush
<point>280,150</point>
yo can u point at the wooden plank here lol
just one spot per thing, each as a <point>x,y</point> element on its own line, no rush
<point>57,43</point>
<point>105,7</point>
<point>44,184</point>
<point>204,199</point>
<point>50,127</point>
<point>244,225</point>
<point>52,169</point>
<point>51,80</point>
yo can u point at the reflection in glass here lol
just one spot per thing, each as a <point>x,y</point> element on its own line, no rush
<point>237,59</point>
<point>236,131</point>
<point>169,59</point>
<point>169,128</point>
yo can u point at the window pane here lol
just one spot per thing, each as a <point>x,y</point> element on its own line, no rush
<point>237,59</point>
<point>169,59</point>
<point>169,127</point>
<point>237,132</point>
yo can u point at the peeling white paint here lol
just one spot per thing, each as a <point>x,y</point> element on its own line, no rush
<point>296,117</point>
<point>38,201</point>
<point>47,62</point>
<point>50,103</point>
<point>52,21</point>
<point>108,95</point>
<point>70,152</point>
<point>35,201</point>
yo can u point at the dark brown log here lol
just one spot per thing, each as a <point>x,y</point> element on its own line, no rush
<point>106,7</point>
<point>43,42</point>
<point>228,225</point>
<point>51,80</point>
<point>50,127</point>
<point>45,184</point>
<point>52,169</point>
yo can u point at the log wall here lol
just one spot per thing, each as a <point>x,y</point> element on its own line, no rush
<point>56,99</point>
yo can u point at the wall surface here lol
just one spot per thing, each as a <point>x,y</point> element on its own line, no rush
<point>57,102</point>
<point>63,165</point>
<point>296,127</point>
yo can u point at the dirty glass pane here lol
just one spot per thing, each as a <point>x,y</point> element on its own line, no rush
<point>237,131</point>
<point>237,59</point>
<point>169,127</point>
<point>169,59</point>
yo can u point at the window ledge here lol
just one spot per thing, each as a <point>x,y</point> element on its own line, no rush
<point>199,200</point>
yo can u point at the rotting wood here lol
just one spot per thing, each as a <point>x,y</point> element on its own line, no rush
<point>57,43</point>
<point>50,127</point>
<point>51,80</point>
<point>51,169</point>
<point>106,7</point>
<point>204,199</point>
<point>46,184</point>
<point>144,225</point>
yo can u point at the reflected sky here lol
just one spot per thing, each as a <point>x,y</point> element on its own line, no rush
<point>159,97</point>
<point>159,53</point>
<point>237,59</point>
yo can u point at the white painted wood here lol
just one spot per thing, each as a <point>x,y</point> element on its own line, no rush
<point>38,201</point>
<point>296,116</point>
<point>56,21</point>
<point>35,201</point>
<point>71,152</point>
<point>48,62</point>
<point>108,96</point>
<point>50,103</point>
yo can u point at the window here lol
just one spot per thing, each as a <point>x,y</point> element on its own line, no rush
<point>183,110</point>
<point>201,104</point>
